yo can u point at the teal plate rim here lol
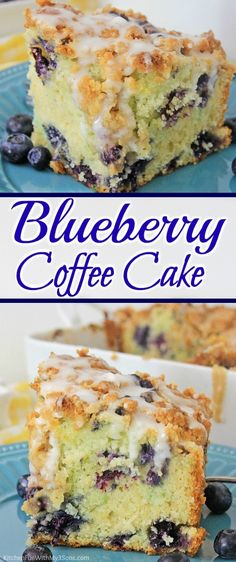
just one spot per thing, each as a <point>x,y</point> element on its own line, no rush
<point>14,462</point>
<point>212,176</point>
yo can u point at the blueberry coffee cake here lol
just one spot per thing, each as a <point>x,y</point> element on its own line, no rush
<point>182,332</point>
<point>118,101</point>
<point>116,460</point>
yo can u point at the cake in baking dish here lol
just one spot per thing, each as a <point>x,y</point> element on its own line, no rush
<point>182,332</point>
<point>118,101</point>
<point>117,461</point>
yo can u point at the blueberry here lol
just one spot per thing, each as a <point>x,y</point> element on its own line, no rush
<point>37,553</point>
<point>108,476</point>
<point>147,453</point>
<point>160,530</point>
<point>39,157</point>
<point>144,383</point>
<point>54,136</point>
<point>202,89</point>
<point>43,65</point>
<point>62,523</point>
<point>120,411</point>
<point>90,179</point>
<point>205,143</point>
<point>218,497</point>
<point>31,492</point>
<point>20,123</point>
<point>231,123</point>
<point>172,165</point>
<point>234,166</point>
<point>174,557</point>
<point>128,178</point>
<point>110,155</point>
<point>203,82</point>
<point>225,544</point>
<point>118,541</point>
<point>22,486</point>
<point>152,478</point>
<point>170,114</point>
<point>141,335</point>
<point>16,147</point>
<point>160,343</point>
<point>95,425</point>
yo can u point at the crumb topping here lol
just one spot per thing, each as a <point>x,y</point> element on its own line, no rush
<point>130,30</point>
<point>121,44</point>
<point>92,380</point>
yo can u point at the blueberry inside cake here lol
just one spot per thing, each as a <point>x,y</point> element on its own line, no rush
<point>118,100</point>
<point>116,461</point>
<point>182,332</point>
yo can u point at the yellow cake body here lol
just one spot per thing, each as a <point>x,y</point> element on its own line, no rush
<point>119,101</point>
<point>116,460</point>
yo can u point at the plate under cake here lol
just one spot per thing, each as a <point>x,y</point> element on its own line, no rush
<point>116,461</point>
<point>118,100</point>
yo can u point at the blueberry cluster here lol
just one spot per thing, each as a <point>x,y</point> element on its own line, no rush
<point>170,113</point>
<point>108,479</point>
<point>83,172</point>
<point>205,142</point>
<point>61,523</point>
<point>18,148</point>
<point>44,57</point>
<point>57,524</point>
<point>160,529</point>
<point>142,336</point>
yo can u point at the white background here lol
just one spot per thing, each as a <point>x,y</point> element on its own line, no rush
<point>220,265</point>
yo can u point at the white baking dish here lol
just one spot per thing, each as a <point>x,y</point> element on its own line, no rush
<point>38,349</point>
<point>12,16</point>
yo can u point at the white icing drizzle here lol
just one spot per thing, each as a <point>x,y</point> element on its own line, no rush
<point>68,375</point>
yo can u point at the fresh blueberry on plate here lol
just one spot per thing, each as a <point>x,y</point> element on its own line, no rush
<point>20,123</point>
<point>37,553</point>
<point>39,157</point>
<point>225,544</point>
<point>22,486</point>
<point>16,147</point>
<point>218,498</point>
<point>234,166</point>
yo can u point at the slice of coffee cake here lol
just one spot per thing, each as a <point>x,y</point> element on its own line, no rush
<point>118,101</point>
<point>183,332</point>
<point>116,460</point>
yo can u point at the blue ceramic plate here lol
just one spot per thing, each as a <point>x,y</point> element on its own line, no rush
<point>212,175</point>
<point>13,463</point>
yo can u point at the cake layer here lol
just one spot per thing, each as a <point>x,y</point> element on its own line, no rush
<point>182,332</point>
<point>118,100</point>
<point>116,460</point>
